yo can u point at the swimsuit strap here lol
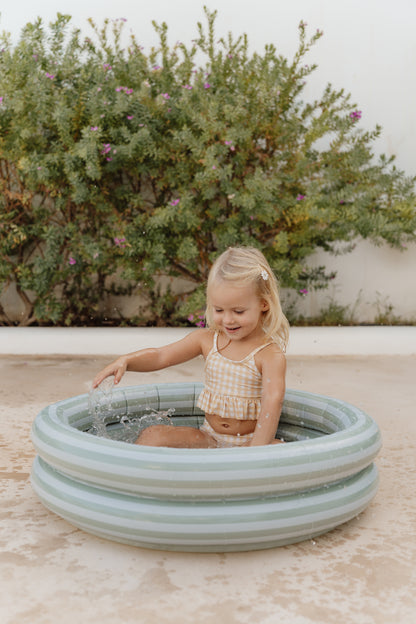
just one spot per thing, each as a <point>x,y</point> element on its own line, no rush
<point>253,353</point>
<point>214,347</point>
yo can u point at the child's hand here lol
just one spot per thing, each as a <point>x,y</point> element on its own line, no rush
<point>116,368</point>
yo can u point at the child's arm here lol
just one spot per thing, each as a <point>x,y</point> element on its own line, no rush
<point>273,369</point>
<point>148,360</point>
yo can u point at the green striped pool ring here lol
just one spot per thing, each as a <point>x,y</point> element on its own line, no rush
<point>206,500</point>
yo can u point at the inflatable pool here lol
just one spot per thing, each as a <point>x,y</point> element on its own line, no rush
<point>206,500</point>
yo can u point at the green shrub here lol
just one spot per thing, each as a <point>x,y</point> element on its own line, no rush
<point>117,162</point>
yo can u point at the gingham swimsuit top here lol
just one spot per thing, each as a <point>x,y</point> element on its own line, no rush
<point>232,388</point>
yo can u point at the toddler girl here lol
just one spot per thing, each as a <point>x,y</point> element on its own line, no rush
<point>243,346</point>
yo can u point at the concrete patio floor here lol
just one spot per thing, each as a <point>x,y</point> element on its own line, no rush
<point>363,572</point>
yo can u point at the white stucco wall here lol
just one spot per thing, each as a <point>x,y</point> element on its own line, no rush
<point>371,281</point>
<point>368,48</point>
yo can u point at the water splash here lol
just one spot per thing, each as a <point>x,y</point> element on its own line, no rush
<point>107,421</point>
<point>100,406</point>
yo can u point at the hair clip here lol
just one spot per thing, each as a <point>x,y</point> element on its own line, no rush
<point>264,275</point>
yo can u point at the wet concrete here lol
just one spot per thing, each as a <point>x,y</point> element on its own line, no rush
<point>363,572</point>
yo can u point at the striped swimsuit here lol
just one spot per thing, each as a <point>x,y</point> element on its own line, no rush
<point>232,390</point>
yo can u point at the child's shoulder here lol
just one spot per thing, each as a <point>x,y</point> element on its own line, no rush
<point>271,353</point>
<point>274,347</point>
<point>204,337</point>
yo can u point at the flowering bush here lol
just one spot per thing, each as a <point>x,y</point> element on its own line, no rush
<point>117,163</point>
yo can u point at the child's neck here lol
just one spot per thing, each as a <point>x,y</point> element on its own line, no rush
<point>239,349</point>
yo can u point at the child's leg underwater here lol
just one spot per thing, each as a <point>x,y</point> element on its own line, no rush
<point>175,437</point>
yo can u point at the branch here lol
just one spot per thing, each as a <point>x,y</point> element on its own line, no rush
<point>28,317</point>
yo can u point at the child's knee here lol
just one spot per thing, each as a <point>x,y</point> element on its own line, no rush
<point>152,436</point>
<point>177,437</point>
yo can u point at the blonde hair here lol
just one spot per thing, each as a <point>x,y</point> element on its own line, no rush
<point>247,266</point>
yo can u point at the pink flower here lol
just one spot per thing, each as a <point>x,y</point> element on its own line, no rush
<point>201,322</point>
<point>207,85</point>
<point>174,202</point>
<point>130,117</point>
<point>125,89</point>
<point>166,96</point>
<point>71,260</point>
<point>198,321</point>
<point>356,115</point>
<point>300,197</point>
<point>120,242</point>
<point>303,291</point>
<point>94,128</point>
<point>187,86</point>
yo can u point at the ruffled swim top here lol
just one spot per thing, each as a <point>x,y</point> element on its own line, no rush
<point>232,388</point>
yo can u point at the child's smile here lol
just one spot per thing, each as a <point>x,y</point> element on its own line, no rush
<point>232,330</point>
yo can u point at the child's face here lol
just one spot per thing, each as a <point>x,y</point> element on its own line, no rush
<point>237,310</point>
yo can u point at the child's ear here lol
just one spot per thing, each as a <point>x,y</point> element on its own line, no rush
<point>264,306</point>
